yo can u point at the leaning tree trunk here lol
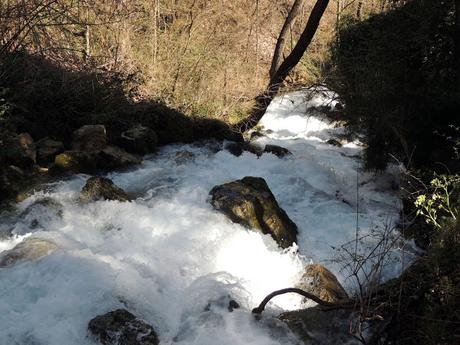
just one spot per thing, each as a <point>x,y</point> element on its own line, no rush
<point>277,79</point>
<point>276,61</point>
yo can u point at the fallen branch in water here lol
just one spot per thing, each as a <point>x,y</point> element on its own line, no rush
<point>330,305</point>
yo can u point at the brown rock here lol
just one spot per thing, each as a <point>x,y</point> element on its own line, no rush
<point>89,138</point>
<point>321,282</point>
<point>32,248</point>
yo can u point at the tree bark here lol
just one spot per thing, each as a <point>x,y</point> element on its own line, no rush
<point>263,100</point>
<point>276,61</point>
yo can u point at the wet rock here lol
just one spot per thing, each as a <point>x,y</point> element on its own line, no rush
<point>223,302</point>
<point>89,138</point>
<point>32,248</point>
<point>139,139</point>
<point>101,188</point>
<point>316,326</point>
<point>183,157</point>
<point>334,142</point>
<point>47,149</point>
<point>109,158</point>
<point>113,157</point>
<point>321,282</point>
<point>77,161</point>
<point>251,203</point>
<point>120,327</point>
<point>237,148</point>
<point>277,150</point>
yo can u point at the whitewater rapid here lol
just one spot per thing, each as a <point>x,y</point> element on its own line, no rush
<point>167,255</point>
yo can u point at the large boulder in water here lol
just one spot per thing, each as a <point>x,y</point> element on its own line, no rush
<point>89,138</point>
<point>32,248</point>
<point>321,282</point>
<point>139,139</point>
<point>101,188</point>
<point>120,327</point>
<point>250,202</point>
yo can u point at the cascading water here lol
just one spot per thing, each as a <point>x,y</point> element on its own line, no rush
<point>171,259</point>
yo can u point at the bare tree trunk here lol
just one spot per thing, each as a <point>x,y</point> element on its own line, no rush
<point>263,100</point>
<point>276,61</point>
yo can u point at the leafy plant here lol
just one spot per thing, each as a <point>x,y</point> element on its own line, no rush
<point>436,205</point>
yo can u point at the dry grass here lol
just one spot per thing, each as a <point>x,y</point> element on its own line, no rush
<point>204,57</point>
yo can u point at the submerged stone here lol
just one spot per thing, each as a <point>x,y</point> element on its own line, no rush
<point>120,327</point>
<point>250,202</point>
<point>32,248</point>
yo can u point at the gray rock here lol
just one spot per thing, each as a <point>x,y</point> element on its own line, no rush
<point>101,188</point>
<point>113,157</point>
<point>251,203</point>
<point>120,327</point>
<point>139,139</point>
<point>32,248</point>
<point>89,138</point>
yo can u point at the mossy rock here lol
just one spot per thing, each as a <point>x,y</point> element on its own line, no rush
<point>101,188</point>
<point>109,158</point>
<point>250,202</point>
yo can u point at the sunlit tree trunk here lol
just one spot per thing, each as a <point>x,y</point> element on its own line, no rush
<point>277,79</point>
<point>277,55</point>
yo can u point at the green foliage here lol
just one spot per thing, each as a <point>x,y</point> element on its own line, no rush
<point>436,204</point>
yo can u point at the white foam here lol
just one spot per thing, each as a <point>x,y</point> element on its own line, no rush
<point>167,254</point>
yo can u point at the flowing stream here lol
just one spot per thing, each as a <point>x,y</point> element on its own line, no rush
<point>172,260</point>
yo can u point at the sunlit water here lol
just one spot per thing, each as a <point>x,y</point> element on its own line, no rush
<point>166,255</point>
